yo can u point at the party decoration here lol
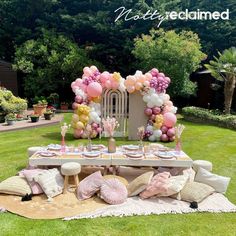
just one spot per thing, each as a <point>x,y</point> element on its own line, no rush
<point>152,85</point>
<point>178,132</point>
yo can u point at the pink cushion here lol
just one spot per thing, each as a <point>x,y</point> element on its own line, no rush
<point>158,184</point>
<point>29,175</point>
<point>113,191</point>
<point>90,185</point>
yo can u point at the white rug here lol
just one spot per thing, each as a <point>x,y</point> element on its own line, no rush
<point>135,206</point>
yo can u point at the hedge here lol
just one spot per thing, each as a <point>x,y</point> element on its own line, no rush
<point>215,117</point>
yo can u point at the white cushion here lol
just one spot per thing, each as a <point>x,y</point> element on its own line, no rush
<point>207,165</point>
<point>219,183</point>
<point>70,168</point>
<point>50,181</point>
<point>15,185</point>
<point>32,150</point>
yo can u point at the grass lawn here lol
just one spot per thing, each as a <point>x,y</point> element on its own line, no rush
<point>199,141</point>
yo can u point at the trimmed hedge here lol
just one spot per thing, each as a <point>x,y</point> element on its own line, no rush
<point>201,115</point>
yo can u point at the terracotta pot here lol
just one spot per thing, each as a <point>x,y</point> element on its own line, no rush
<point>39,109</point>
<point>64,107</point>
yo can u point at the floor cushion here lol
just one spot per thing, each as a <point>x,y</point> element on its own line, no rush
<point>139,184</point>
<point>50,181</point>
<point>219,183</point>
<point>195,192</point>
<point>90,185</point>
<point>15,185</point>
<point>29,175</point>
<point>157,185</point>
<point>113,191</point>
<point>121,179</point>
<point>207,165</point>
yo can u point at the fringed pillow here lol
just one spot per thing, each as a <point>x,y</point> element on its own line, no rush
<point>113,191</point>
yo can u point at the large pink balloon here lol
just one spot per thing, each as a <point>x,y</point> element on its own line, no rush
<point>148,111</point>
<point>94,89</point>
<point>169,119</point>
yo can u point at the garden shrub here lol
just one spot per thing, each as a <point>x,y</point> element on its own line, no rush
<point>10,103</point>
<point>202,115</point>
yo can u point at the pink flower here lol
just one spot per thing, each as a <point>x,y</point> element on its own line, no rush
<point>109,125</point>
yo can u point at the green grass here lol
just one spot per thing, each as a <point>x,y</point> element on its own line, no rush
<point>199,141</point>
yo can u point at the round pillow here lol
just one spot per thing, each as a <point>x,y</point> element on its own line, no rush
<point>113,191</point>
<point>207,165</point>
<point>121,179</point>
<point>70,168</point>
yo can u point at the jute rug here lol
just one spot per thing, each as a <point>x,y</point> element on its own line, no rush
<point>67,206</point>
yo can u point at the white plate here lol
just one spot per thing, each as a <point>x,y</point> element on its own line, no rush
<point>55,147</point>
<point>91,154</point>
<point>47,154</point>
<point>131,147</point>
<point>134,156</point>
<point>97,146</point>
<point>164,155</point>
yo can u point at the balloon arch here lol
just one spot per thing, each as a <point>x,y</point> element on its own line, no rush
<point>152,85</point>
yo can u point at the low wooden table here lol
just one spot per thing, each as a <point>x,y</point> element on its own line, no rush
<point>111,159</point>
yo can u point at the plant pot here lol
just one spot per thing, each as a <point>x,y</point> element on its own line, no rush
<point>48,116</point>
<point>111,145</point>
<point>34,119</point>
<point>64,107</point>
<point>10,122</point>
<point>39,109</point>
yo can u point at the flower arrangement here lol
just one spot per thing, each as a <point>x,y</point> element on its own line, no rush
<point>178,132</point>
<point>64,129</point>
<point>109,125</point>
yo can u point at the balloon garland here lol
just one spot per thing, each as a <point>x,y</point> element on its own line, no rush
<point>152,85</point>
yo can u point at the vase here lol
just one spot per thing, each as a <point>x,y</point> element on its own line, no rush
<point>178,145</point>
<point>111,145</point>
<point>89,145</point>
<point>63,145</point>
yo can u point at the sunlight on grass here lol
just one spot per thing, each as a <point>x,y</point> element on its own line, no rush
<point>204,142</point>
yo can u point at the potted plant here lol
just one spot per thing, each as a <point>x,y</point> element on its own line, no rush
<point>48,114</point>
<point>53,99</point>
<point>52,109</point>
<point>34,118</point>
<point>64,106</point>
<point>40,107</point>
<point>10,118</point>
<point>2,117</point>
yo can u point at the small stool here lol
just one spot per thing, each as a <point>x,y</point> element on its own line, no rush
<point>70,169</point>
<point>207,165</point>
<point>32,150</point>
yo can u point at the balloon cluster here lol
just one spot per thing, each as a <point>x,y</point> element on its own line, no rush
<point>138,81</point>
<point>159,81</point>
<point>88,91</point>
<point>160,110</point>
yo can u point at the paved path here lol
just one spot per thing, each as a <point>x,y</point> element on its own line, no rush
<point>26,124</point>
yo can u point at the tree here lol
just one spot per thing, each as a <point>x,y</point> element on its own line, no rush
<point>177,55</point>
<point>50,62</point>
<point>223,68</point>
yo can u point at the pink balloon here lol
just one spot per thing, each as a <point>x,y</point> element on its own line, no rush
<point>164,129</point>
<point>108,84</point>
<point>87,71</point>
<point>156,110</point>
<point>115,85</point>
<point>172,138</point>
<point>73,84</point>
<point>167,79</point>
<point>75,106</point>
<point>169,119</point>
<point>94,89</point>
<point>146,83</point>
<point>94,125</point>
<point>164,138</point>
<point>148,111</point>
<point>99,129</point>
<point>171,132</point>
<point>153,117</point>
<point>104,77</point>
<point>78,133</point>
<point>78,82</point>
<point>169,103</point>
<point>78,99</point>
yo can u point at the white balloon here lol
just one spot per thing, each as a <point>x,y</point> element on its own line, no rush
<point>138,73</point>
<point>146,98</point>
<point>150,104</point>
<point>157,133</point>
<point>149,128</point>
<point>173,109</point>
<point>152,138</point>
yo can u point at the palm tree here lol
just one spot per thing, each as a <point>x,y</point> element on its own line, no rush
<point>223,68</point>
